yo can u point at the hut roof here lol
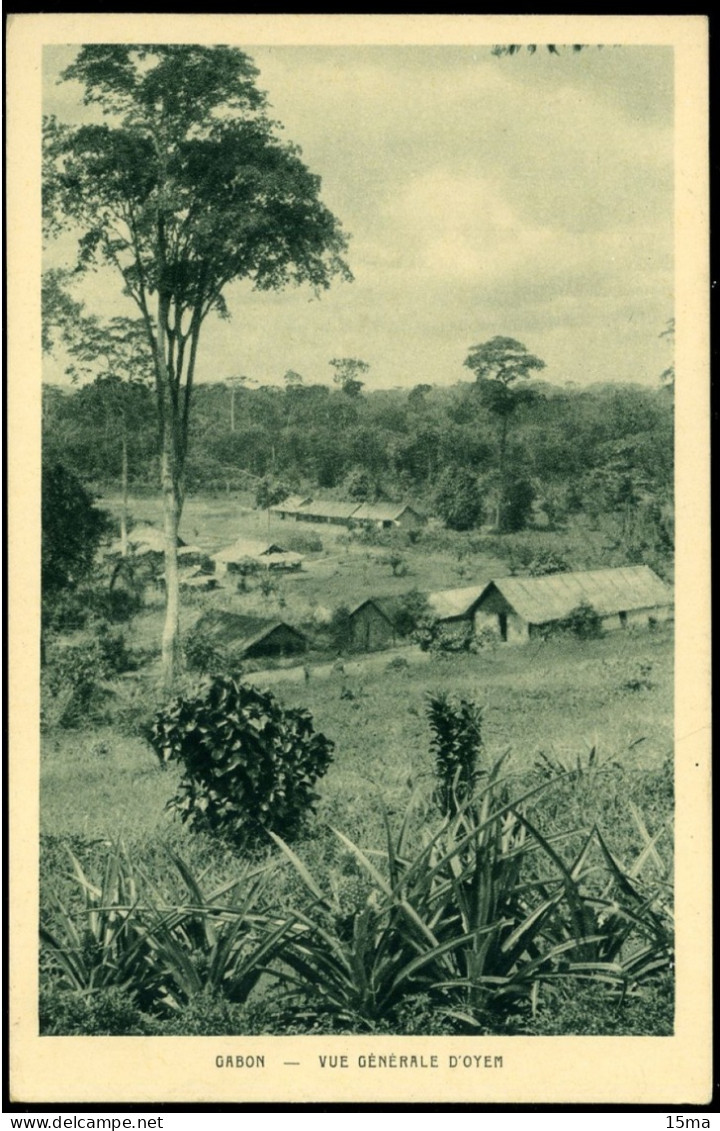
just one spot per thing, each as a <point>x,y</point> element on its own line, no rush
<point>389,607</point>
<point>146,537</point>
<point>283,558</point>
<point>328,508</point>
<point>449,603</point>
<point>240,629</point>
<point>383,512</point>
<point>247,548</point>
<point>552,597</point>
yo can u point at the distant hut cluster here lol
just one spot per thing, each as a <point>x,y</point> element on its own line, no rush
<point>513,609</point>
<point>145,561</point>
<point>381,516</point>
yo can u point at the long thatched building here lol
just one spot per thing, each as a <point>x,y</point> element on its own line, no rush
<point>516,608</point>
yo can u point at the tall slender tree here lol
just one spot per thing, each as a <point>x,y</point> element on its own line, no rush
<point>498,364</point>
<point>184,188</point>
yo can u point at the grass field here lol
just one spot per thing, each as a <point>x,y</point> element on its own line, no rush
<point>601,710</point>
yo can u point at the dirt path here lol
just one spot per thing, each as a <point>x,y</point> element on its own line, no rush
<point>375,661</point>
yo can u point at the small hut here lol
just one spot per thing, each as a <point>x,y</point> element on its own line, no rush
<point>374,623</point>
<point>265,555</point>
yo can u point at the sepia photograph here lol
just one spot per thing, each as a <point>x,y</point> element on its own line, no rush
<point>359,745</point>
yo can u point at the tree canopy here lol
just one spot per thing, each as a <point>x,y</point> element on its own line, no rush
<point>72,528</point>
<point>184,188</point>
<point>348,371</point>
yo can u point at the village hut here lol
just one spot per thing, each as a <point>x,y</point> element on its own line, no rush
<point>454,608</point>
<point>374,623</point>
<point>198,579</point>
<point>264,555</point>
<point>326,510</point>
<point>144,540</point>
<point>289,506</point>
<point>517,608</point>
<point>385,516</point>
<point>251,635</point>
<point>148,541</point>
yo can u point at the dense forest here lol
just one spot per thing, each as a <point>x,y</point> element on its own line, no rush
<point>599,450</point>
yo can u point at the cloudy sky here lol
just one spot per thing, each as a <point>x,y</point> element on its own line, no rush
<point>529,196</point>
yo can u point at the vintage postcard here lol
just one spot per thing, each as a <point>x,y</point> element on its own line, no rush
<point>359,559</point>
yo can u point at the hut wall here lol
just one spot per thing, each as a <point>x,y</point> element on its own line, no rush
<point>496,615</point>
<point>370,630</point>
<point>517,629</point>
<point>637,618</point>
<point>279,642</point>
<point>408,520</point>
<point>486,621</point>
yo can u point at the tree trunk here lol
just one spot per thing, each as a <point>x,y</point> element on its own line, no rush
<point>171,477</point>
<point>124,489</point>
<point>501,497</point>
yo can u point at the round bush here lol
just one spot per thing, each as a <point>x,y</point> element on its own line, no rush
<point>249,764</point>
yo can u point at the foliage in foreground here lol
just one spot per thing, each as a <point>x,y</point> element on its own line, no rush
<point>478,922</point>
<point>126,937</point>
<point>481,921</point>
<point>456,726</point>
<point>249,765</point>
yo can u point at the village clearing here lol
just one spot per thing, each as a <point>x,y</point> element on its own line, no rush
<point>594,715</point>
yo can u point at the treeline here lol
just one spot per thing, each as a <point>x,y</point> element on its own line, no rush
<point>602,449</point>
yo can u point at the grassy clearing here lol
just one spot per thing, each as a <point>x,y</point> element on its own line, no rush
<point>560,698</point>
<point>599,709</point>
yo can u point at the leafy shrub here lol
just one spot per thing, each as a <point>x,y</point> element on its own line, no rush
<point>74,674</point>
<point>72,680</point>
<point>302,543</point>
<point>72,529</point>
<point>412,610</point>
<point>456,726</point>
<point>397,664</point>
<point>202,653</point>
<point>68,610</point>
<point>359,485</point>
<point>641,681</point>
<point>116,605</point>
<point>340,629</point>
<point>458,498</point>
<point>442,640</point>
<point>546,562</point>
<point>249,765</point>
<point>397,564</point>
<point>109,1012</point>
<point>268,493</point>
<point>583,621</point>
